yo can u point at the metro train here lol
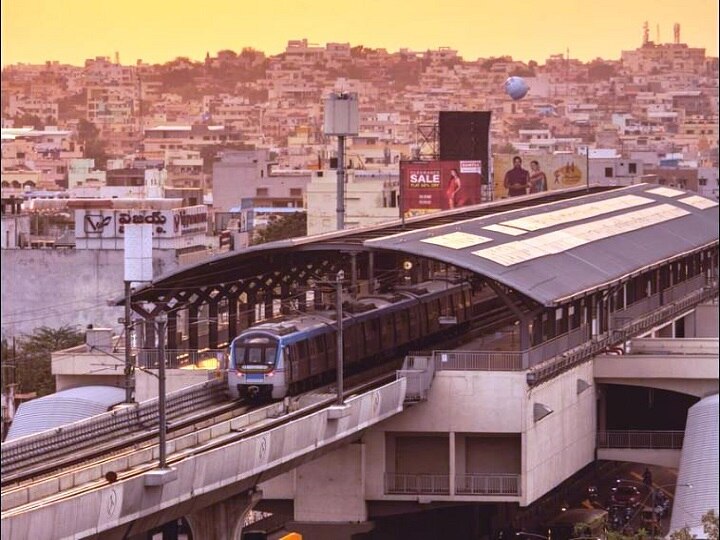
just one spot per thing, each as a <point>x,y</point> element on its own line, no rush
<point>283,357</point>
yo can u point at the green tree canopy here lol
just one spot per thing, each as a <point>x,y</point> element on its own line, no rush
<point>89,136</point>
<point>283,227</point>
<point>33,359</point>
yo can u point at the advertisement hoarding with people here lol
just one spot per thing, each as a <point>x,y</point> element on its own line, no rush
<point>524,174</point>
<point>431,186</point>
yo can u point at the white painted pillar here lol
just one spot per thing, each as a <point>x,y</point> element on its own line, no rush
<point>223,520</point>
<point>453,472</point>
<point>332,487</point>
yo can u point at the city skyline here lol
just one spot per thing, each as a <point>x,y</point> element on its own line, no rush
<point>36,31</point>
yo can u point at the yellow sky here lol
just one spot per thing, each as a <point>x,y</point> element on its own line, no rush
<point>70,31</point>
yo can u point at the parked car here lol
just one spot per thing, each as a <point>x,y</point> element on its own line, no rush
<point>625,495</point>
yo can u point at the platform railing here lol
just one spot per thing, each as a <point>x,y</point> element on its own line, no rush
<point>478,360</point>
<point>488,484</point>
<point>640,439</point>
<point>642,323</point>
<point>557,345</point>
<point>417,484</point>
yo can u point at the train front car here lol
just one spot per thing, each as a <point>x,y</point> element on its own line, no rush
<point>256,368</point>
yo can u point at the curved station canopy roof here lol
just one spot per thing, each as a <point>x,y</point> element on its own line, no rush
<point>549,247</point>
<point>560,250</point>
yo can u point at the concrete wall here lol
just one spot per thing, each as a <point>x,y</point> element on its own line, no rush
<point>49,287</point>
<point>563,442</point>
<point>88,368</point>
<point>706,321</point>
<point>364,204</point>
<point>695,375</point>
<point>332,487</point>
<point>661,458</point>
<point>236,177</point>
<point>485,414</point>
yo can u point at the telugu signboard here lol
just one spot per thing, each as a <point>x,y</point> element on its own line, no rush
<point>431,186</point>
<point>111,223</point>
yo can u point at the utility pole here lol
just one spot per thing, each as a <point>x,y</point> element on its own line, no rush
<point>340,208</point>
<point>161,328</point>
<point>341,119</point>
<point>129,368</point>
<point>340,342</point>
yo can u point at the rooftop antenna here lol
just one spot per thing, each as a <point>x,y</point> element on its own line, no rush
<point>676,32</point>
<point>117,57</point>
<point>646,33</point>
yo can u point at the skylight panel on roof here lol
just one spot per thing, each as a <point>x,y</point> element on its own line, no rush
<point>578,235</point>
<point>665,192</point>
<point>576,213</point>
<point>512,231</point>
<point>457,240</point>
<point>511,253</point>
<point>698,202</point>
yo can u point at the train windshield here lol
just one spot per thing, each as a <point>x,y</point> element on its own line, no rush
<point>255,352</point>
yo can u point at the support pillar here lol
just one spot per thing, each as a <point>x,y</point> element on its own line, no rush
<point>268,301</point>
<point>213,324</point>
<point>251,308</point>
<point>172,331</point>
<point>232,317</point>
<point>353,275</point>
<point>317,299</point>
<point>302,301</point>
<point>453,472</point>
<point>285,299</point>
<point>329,495</point>
<point>193,320</point>
<point>371,272</point>
<point>222,520</point>
<point>148,334</point>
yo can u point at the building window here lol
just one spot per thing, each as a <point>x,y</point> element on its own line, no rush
<point>608,172</point>
<point>632,168</point>
<point>261,192</point>
<point>702,181</point>
<point>295,192</point>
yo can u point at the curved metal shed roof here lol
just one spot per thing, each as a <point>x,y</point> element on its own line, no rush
<point>62,408</point>
<point>698,467</point>
<point>563,249</point>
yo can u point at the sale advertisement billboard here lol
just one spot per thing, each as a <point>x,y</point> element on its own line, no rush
<point>431,186</point>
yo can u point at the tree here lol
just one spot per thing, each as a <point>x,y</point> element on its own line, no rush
<point>89,136</point>
<point>280,228</point>
<point>25,120</point>
<point>506,148</point>
<point>600,71</point>
<point>33,362</point>
<point>710,524</point>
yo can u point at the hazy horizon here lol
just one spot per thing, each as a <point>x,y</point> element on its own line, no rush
<point>36,31</point>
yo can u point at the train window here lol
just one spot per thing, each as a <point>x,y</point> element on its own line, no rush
<point>413,322</point>
<point>401,327</point>
<point>257,351</point>
<point>386,330</point>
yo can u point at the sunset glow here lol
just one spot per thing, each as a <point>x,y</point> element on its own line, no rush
<point>70,31</point>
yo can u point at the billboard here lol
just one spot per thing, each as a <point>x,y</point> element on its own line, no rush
<point>110,223</point>
<point>465,135</point>
<point>536,173</point>
<point>431,186</point>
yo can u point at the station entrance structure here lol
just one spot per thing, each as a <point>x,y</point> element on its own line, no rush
<point>577,268</point>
